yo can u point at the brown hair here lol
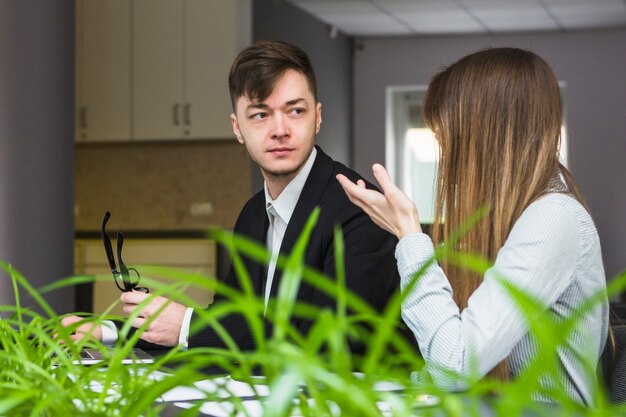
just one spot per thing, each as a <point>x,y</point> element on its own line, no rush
<point>258,67</point>
<point>497,117</point>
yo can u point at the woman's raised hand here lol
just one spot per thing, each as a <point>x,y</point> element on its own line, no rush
<point>392,210</point>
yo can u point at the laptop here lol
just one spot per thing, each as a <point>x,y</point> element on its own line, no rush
<point>90,356</point>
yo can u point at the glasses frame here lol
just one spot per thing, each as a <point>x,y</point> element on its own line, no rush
<point>124,272</point>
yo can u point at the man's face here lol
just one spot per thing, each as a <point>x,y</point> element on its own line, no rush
<point>279,132</point>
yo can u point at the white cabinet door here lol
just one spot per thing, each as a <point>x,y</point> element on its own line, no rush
<point>211,45</point>
<point>157,70</point>
<point>103,89</point>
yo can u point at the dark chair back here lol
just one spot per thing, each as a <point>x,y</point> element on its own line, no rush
<point>614,366</point>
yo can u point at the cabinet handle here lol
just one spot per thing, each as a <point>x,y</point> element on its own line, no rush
<point>83,117</point>
<point>187,114</point>
<point>175,114</point>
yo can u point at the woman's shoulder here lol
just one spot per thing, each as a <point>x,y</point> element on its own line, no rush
<point>560,207</point>
<point>557,229</point>
<point>558,220</point>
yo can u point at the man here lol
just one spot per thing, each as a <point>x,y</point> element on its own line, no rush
<point>276,116</point>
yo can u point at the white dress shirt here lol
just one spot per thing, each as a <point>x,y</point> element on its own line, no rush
<point>279,213</point>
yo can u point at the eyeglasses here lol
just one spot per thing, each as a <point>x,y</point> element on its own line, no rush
<point>123,274</point>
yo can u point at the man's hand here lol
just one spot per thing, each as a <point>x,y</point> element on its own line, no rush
<point>164,329</point>
<point>87,329</point>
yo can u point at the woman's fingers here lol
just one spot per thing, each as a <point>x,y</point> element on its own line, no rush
<point>382,176</point>
<point>354,191</point>
<point>392,209</point>
<point>371,202</point>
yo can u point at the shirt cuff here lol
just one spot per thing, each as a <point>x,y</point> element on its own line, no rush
<point>109,333</point>
<point>412,252</point>
<point>183,338</point>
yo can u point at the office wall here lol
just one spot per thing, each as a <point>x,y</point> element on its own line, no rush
<point>36,146</point>
<point>591,63</point>
<point>332,62</point>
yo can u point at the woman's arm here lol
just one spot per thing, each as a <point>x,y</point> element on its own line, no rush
<point>539,258</point>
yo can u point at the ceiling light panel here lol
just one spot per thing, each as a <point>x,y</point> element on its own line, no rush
<point>578,14</point>
<point>431,16</point>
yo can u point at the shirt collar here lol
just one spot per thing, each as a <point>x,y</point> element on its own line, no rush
<point>288,198</point>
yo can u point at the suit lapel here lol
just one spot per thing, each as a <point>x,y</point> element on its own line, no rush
<point>313,188</point>
<point>257,230</point>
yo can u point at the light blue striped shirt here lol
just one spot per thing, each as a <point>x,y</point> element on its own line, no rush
<point>552,254</point>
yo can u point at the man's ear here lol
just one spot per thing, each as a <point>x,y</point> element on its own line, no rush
<point>318,117</point>
<point>236,131</point>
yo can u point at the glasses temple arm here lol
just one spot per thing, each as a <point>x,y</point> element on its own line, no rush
<point>123,269</point>
<point>108,248</point>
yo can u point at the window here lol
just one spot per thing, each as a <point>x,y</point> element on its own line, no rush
<point>412,153</point>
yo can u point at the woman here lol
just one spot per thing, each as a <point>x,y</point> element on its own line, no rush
<point>497,117</point>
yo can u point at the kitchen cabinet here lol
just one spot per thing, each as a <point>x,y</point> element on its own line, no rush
<point>194,255</point>
<point>177,73</point>
<point>103,94</point>
<point>215,32</point>
<point>157,69</point>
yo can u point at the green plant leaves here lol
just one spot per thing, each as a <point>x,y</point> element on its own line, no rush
<point>309,374</point>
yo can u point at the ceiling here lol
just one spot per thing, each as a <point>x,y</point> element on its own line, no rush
<point>437,17</point>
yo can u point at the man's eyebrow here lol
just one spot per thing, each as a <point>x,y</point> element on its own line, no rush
<point>257,106</point>
<point>264,106</point>
<point>294,101</point>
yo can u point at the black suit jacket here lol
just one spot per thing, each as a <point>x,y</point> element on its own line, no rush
<point>370,265</point>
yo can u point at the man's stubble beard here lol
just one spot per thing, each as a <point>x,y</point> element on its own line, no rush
<point>279,174</point>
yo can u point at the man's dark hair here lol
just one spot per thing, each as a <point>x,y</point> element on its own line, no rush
<point>259,66</point>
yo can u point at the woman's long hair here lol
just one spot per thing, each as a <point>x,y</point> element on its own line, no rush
<point>497,117</point>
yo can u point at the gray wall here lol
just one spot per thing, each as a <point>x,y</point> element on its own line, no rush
<point>332,62</point>
<point>36,144</point>
<point>592,63</point>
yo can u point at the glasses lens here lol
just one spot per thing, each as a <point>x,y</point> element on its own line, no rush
<point>133,276</point>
